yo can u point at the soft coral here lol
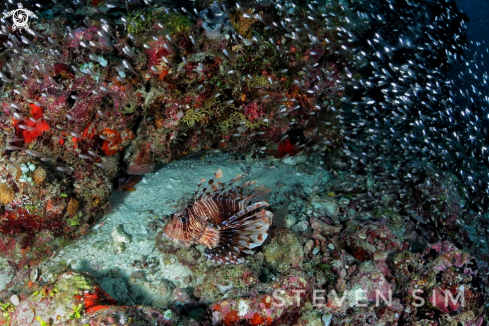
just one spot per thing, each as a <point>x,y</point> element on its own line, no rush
<point>286,147</point>
<point>36,128</point>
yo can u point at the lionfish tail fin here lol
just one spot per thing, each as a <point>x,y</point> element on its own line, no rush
<point>240,234</point>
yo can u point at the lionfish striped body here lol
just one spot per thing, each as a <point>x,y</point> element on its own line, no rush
<point>225,220</point>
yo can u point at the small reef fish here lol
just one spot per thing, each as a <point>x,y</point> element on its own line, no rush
<point>127,182</point>
<point>229,221</point>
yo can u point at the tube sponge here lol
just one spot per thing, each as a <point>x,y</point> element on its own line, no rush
<point>215,20</point>
<point>214,15</point>
<point>212,33</point>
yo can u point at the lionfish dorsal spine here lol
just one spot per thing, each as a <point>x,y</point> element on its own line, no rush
<point>202,193</point>
<point>222,188</point>
<point>243,212</point>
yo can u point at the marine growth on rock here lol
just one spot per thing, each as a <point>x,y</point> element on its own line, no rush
<point>383,103</point>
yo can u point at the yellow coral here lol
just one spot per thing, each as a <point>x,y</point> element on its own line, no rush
<point>257,81</point>
<point>201,115</point>
<point>237,118</point>
<point>243,22</point>
<point>7,195</point>
<point>211,110</point>
<point>193,116</point>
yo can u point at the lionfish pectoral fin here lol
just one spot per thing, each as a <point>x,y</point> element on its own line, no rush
<point>220,245</point>
<point>241,217</point>
<point>255,230</point>
<point>223,255</point>
<point>210,237</point>
<point>241,236</point>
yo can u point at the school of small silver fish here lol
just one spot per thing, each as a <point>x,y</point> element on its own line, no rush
<point>424,101</point>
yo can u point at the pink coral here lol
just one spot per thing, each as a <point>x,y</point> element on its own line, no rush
<point>89,34</point>
<point>448,256</point>
<point>157,50</point>
<point>252,111</point>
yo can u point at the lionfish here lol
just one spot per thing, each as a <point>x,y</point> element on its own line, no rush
<point>228,220</point>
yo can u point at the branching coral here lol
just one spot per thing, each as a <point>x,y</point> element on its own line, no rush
<point>257,81</point>
<point>203,114</point>
<point>238,118</point>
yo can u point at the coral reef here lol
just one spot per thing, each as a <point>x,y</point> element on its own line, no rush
<point>283,251</point>
<point>391,231</point>
<point>75,299</point>
<point>109,97</point>
<point>7,195</point>
<point>333,273</point>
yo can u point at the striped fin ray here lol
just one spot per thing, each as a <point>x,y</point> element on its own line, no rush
<point>237,191</point>
<point>202,193</point>
<point>198,190</point>
<point>259,194</point>
<point>262,193</point>
<point>226,189</point>
<point>243,212</point>
<point>244,196</point>
<point>241,236</point>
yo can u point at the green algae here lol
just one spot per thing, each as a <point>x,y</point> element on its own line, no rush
<point>75,282</point>
<point>140,22</point>
<point>327,270</point>
<point>176,23</point>
<point>77,311</point>
<point>283,251</point>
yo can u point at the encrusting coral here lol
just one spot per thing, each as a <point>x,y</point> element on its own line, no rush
<point>39,175</point>
<point>72,208</point>
<point>7,195</point>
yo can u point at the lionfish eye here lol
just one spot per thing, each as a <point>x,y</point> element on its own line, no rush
<point>183,218</point>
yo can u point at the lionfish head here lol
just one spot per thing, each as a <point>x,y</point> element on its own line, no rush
<point>179,229</point>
